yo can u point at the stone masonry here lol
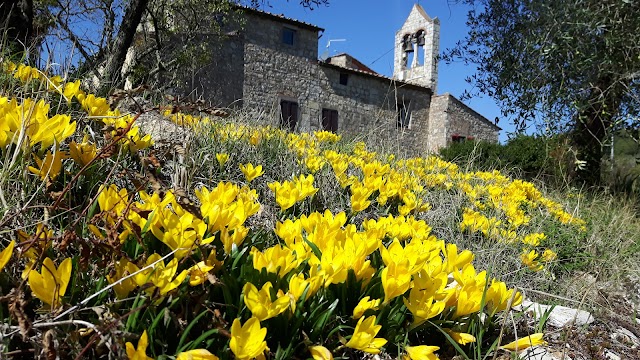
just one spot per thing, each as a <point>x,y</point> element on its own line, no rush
<point>273,69</point>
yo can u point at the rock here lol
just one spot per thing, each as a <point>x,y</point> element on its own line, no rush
<point>541,353</point>
<point>560,316</point>
<point>608,354</point>
<point>625,336</point>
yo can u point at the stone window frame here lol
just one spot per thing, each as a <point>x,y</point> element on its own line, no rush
<point>285,38</point>
<point>332,127</point>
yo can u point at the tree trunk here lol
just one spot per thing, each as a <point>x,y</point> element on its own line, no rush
<point>592,127</point>
<point>115,60</point>
<point>16,21</point>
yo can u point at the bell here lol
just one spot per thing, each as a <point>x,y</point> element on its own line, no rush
<point>407,46</point>
<point>421,38</point>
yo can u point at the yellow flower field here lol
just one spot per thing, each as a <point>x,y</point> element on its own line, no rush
<point>331,254</point>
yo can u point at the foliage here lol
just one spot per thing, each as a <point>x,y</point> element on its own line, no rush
<point>342,262</point>
<point>530,157</point>
<point>572,63</point>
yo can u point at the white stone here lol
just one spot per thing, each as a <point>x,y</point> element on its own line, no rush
<point>625,336</point>
<point>540,353</point>
<point>560,316</point>
<point>611,355</point>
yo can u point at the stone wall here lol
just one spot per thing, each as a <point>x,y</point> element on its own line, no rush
<point>450,117</point>
<point>366,105</point>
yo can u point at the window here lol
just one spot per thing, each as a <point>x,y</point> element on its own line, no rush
<point>404,117</point>
<point>455,138</point>
<point>288,114</point>
<point>344,79</point>
<point>330,120</point>
<point>288,36</point>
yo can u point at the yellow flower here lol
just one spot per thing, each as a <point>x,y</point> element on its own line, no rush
<point>197,354</point>
<point>421,352</point>
<point>277,259</point>
<point>320,353</point>
<point>469,301</point>
<point>534,239</point>
<point>460,338</point>
<point>260,304</point>
<point>72,90</point>
<point>422,305</point>
<point>123,268</point>
<point>364,305</point>
<point>529,259</point>
<point>396,280</point>
<point>95,106</point>
<point>250,172</point>
<point>50,167</point>
<point>523,343</point>
<point>139,353</point>
<point>5,255</point>
<point>222,158</point>
<point>364,336</point>
<point>84,152</point>
<point>51,285</point>
<point>231,240</point>
<point>549,255</point>
<point>298,284</point>
<point>161,276</point>
<point>198,273</point>
<point>247,341</point>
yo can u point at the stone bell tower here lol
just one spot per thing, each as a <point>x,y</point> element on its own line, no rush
<point>416,49</point>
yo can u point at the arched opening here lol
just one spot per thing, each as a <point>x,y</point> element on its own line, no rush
<point>407,51</point>
<point>420,39</point>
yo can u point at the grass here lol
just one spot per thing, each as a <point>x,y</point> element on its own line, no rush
<point>70,216</point>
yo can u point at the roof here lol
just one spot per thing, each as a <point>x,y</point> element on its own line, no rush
<point>375,75</point>
<point>355,62</point>
<point>281,17</point>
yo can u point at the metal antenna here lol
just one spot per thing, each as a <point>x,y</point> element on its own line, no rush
<point>325,53</point>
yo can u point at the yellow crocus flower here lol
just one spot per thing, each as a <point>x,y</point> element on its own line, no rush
<point>95,106</point>
<point>396,280</point>
<point>363,337</point>
<point>247,341</point>
<point>529,259</point>
<point>123,268</point>
<point>222,158</point>
<point>422,305</point>
<point>525,342</point>
<point>460,337</point>
<point>250,172</point>
<point>277,259</point>
<point>260,304</point>
<point>50,167</point>
<point>71,90</point>
<point>5,255</point>
<point>197,354</point>
<point>469,301</point>
<point>84,152</point>
<point>421,352</point>
<point>140,352</point>
<point>161,276</point>
<point>51,284</point>
<point>365,304</point>
<point>320,353</point>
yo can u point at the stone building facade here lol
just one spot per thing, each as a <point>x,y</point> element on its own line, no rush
<point>271,69</point>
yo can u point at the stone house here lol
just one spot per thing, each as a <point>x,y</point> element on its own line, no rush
<point>271,67</point>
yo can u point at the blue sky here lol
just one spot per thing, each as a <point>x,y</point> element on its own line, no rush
<point>369,27</point>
